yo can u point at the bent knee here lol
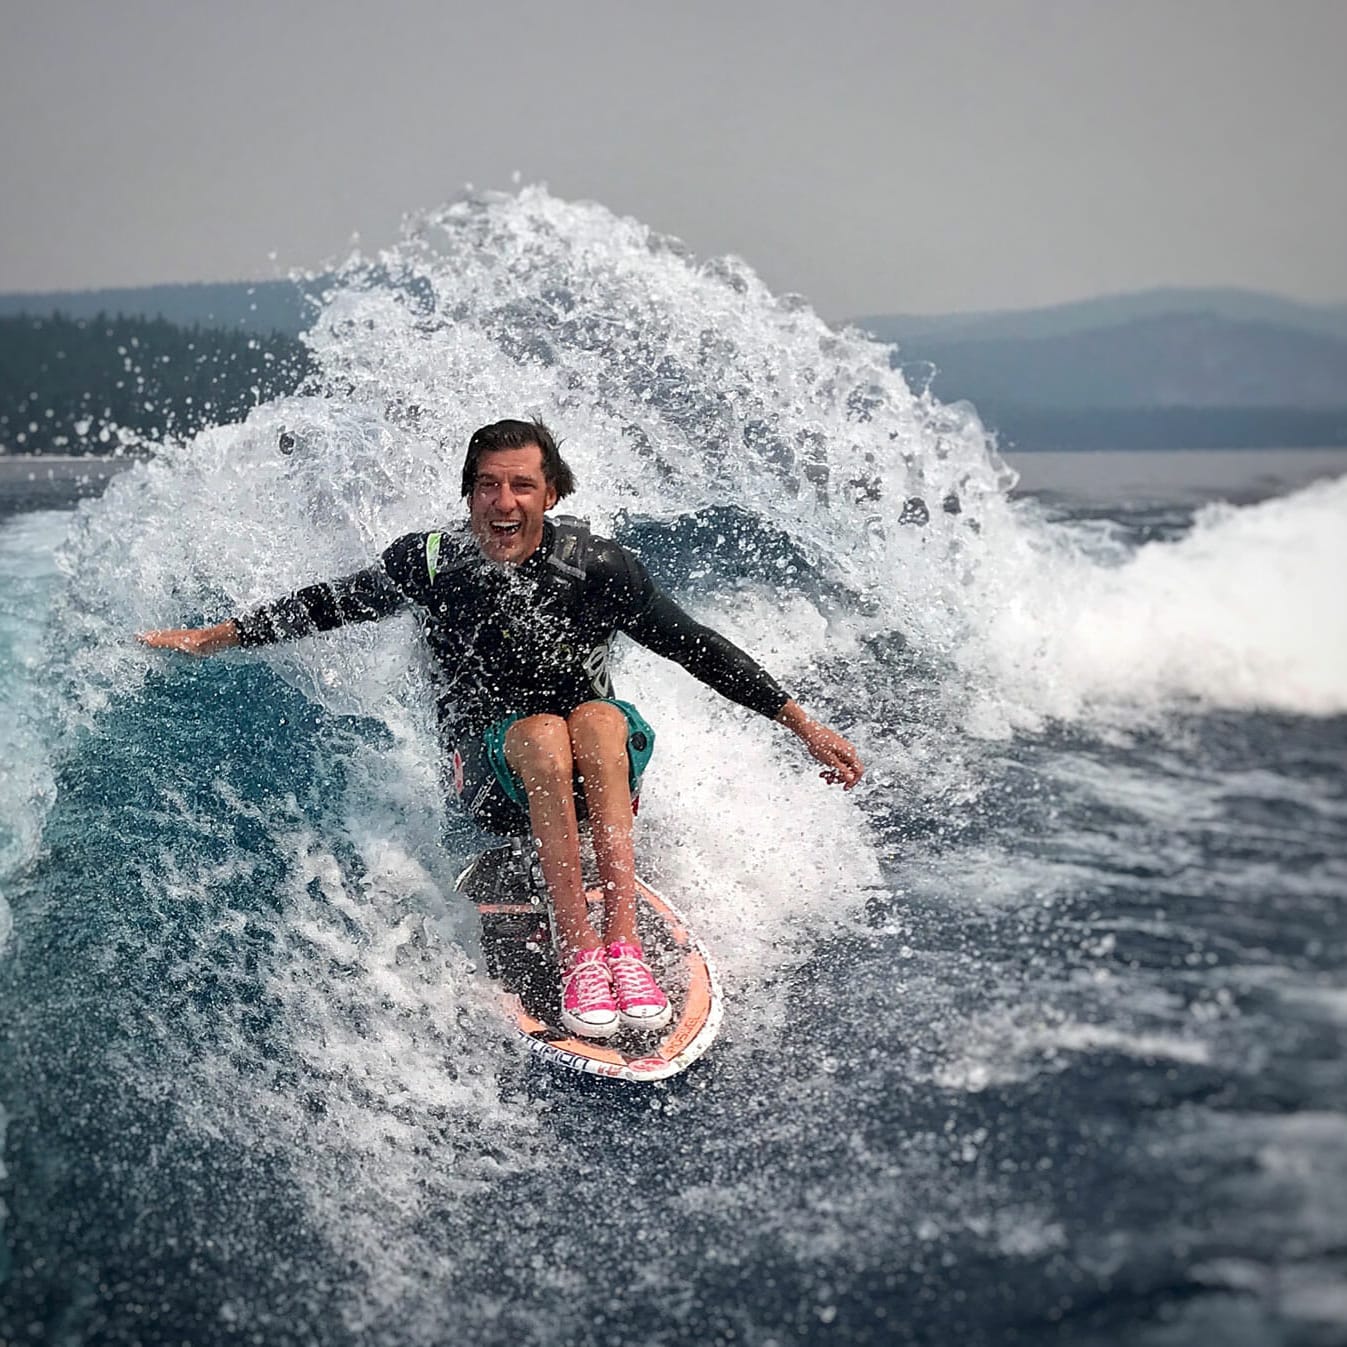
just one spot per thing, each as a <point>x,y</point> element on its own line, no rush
<point>597,727</point>
<point>539,746</point>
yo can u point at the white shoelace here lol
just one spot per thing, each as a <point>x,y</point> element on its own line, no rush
<point>633,980</point>
<point>590,979</point>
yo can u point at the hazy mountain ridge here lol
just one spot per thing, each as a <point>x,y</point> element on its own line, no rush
<point>1108,311</point>
<point>1171,360</point>
<point>1160,369</point>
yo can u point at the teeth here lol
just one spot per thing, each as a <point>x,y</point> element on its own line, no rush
<point>506,528</point>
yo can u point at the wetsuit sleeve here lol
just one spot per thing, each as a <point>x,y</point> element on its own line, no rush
<point>366,596</point>
<point>658,623</point>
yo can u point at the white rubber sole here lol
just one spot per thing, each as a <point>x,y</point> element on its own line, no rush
<point>647,1022</point>
<point>583,1029</point>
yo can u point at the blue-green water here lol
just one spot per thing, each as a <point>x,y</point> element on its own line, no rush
<point>1035,1038</point>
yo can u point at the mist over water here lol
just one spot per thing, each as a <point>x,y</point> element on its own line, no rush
<point>1041,1026</point>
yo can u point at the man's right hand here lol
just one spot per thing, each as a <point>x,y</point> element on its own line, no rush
<point>193,640</point>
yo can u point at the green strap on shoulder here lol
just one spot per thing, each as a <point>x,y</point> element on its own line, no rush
<point>433,554</point>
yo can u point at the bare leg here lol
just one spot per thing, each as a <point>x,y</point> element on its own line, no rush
<point>539,749</point>
<point>598,737</point>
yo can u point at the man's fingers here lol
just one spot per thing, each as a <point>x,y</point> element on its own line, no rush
<point>185,642</point>
<point>841,762</point>
<point>160,640</point>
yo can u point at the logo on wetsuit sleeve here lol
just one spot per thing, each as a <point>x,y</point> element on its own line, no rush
<point>595,664</point>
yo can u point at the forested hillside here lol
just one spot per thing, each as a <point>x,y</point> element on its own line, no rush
<point>84,385</point>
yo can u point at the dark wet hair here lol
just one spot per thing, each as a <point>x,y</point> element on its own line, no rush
<point>519,435</point>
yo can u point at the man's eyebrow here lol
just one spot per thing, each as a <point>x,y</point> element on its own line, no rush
<point>523,475</point>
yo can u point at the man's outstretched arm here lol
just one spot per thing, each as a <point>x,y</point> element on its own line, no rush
<point>365,596</point>
<point>193,640</point>
<point>662,626</point>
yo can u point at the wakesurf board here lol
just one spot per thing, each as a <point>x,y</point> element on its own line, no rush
<point>506,886</point>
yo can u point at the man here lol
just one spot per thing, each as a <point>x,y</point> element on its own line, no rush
<point>520,611</point>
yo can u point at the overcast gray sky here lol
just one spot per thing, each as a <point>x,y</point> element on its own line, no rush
<point>878,157</point>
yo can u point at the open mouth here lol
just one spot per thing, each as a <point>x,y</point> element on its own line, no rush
<point>505,528</point>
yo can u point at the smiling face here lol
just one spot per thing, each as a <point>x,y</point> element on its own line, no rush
<point>509,496</point>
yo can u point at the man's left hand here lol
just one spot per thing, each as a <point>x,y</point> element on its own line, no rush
<point>841,763</point>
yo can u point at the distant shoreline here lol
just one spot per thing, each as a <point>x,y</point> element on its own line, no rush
<point>56,481</point>
<point>7,456</point>
<point>1181,476</point>
<point>1178,476</point>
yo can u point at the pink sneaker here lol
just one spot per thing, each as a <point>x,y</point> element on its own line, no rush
<point>587,1005</point>
<point>640,1003</point>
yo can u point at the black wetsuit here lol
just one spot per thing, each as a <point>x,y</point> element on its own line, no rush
<point>519,640</point>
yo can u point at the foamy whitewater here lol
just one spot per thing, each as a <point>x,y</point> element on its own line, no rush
<point>1035,1037</point>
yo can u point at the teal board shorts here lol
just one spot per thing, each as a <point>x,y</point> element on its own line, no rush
<point>490,790</point>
